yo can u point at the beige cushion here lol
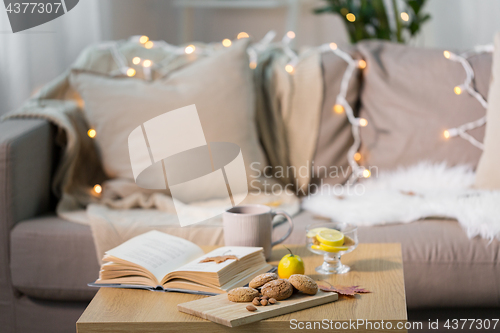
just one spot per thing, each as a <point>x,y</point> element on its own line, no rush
<point>335,137</point>
<point>302,117</point>
<point>288,113</point>
<point>408,99</point>
<point>219,85</point>
<point>487,175</point>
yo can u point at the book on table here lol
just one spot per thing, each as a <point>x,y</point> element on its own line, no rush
<point>159,261</point>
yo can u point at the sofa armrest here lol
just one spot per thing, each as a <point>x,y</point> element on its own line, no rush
<point>26,155</point>
<point>26,160</point>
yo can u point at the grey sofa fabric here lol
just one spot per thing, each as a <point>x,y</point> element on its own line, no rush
<point>442,266</point>
<point>53,259</point>
<point>26,156</point>
<point>26,150</point>
<point>41,316</point>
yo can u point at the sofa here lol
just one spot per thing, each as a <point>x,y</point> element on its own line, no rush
<point>46,262</point>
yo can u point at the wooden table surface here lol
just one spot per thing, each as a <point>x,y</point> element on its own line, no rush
<point>376,267</point>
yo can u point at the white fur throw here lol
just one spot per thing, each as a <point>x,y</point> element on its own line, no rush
<point>406,195</point>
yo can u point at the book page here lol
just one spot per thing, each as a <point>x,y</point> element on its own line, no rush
<point>157,252</point>
<point>212,267</point>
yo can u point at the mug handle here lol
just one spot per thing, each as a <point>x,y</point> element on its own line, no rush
<point>290,222</point>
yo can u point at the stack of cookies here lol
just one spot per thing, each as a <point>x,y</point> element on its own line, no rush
<point>272,289</point>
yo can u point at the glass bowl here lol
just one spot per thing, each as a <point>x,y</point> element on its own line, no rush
<point>322,239</point>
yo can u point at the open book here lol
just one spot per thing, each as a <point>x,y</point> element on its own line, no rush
<point>158,261</point>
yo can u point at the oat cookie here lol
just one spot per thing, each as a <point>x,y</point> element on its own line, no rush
<point>278,289</point>
<point>242,294</point>
<point>304,283</point>
<point>262,279</point>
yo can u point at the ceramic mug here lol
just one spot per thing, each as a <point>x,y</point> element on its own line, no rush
<point>252,225</point>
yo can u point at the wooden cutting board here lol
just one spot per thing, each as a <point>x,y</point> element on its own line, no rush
<point>220,310</point>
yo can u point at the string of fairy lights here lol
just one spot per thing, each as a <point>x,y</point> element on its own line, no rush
<point>341,106</point>
<point>468,86</point>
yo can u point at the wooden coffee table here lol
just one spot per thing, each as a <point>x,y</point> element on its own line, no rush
<point>376,267</point>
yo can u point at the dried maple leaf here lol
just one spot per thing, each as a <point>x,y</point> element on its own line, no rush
<point>345,290</point>
<point>219,259</point>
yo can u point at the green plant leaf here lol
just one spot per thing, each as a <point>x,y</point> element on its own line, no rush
<point>372,18</point>
<point>322,10</point>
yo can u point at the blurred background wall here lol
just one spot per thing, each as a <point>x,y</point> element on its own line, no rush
<point>31,58</point>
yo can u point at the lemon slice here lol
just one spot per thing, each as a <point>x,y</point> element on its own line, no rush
<point>328,248</point>
<point>330,237</point>
<point>314,232</point>
<point>315,247</point>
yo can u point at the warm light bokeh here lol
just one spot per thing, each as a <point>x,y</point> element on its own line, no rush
<point>337,108</point>
<point>130,72</point>
<point>190,49</point>
<point>242,35</point>
<point>97,188</point>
